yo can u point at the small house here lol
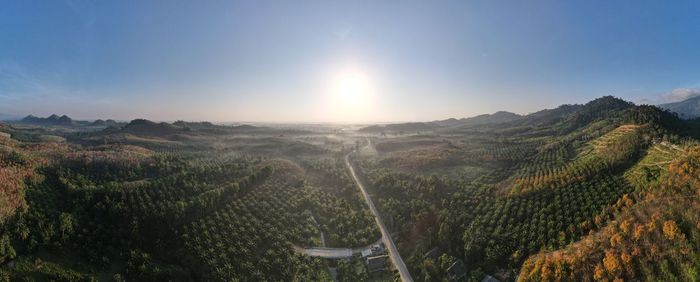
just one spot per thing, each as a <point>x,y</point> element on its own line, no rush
<point>456,271</point>
<point>376,263</point>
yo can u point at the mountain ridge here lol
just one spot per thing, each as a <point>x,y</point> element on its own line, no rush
<point>687,109</point>
<point>53,119</point>
<point>575,115</point>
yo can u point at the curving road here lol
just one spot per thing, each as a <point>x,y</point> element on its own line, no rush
<point>386,237</point>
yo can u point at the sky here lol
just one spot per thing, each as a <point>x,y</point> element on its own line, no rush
<point>339,61</point>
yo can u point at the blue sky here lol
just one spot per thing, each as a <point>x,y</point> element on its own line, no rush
<point>274,60</point>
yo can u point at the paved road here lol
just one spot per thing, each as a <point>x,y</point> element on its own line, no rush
<point>386,237</point>
<point>331,253</point>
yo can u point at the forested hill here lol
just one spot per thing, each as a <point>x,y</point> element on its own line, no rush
<point>146,127</point>
<point>579,192</point>
<point>54,119</point>
<point>412,127</point>
<point>567,118</point>
<point>564,118</point>
<point>401,127</point>
<point>497,117</point>
<point>606,190</point>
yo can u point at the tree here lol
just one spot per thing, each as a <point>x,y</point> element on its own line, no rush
<point>671,230</point>
<point>6,249</point>
<point>66,224</point>
<point>611,263</point>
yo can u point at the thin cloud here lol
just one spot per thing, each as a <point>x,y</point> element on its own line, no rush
<point>680,94</point>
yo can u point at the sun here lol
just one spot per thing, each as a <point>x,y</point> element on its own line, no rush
<point>350,94</point>
<point>351,87</point>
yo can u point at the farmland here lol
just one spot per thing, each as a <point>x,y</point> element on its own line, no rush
<point>595,191</point>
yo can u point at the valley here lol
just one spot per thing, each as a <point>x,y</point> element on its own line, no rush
<point>349,141</point>
<point>601,191</point>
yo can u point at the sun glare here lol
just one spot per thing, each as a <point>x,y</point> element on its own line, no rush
<point>351,87</point>
<point>350,94</point>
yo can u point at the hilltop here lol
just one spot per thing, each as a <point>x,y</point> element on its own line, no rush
<point>497,117</point>
<point>401,127</point>
<point>412,127</point>
<point>563,118</point>
<point>52,120</point>
<point>104,123</point>
<point>147,127</point>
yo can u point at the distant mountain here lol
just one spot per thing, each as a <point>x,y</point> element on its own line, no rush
<point>32,119</point>
<point>564,118</point>
<point>101,122</point>
<point>549,116</point>
<point>54,119</point>
<point>401,127</point>
<point>574,116</point>
<point>448,122</point>
<point>247,127</point>
<point>147,127</point>
<point>497,117</point>
<point>687,109</point>
<point>150,128</point>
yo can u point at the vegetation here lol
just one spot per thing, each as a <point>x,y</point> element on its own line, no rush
<point>554,183</point>
<point>602,191</point>
<point>176,211</point>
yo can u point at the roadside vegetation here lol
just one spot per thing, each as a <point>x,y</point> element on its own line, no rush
<point>599,192</point>
<point>179,210</point>
<point>533,199</point>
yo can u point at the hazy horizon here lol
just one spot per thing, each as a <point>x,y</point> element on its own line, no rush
<point>289,122</point>
<point>330,62</point>
<point>332,153</point>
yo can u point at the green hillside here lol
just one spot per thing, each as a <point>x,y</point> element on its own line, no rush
<point>599,191</point>
<point>510,194</point>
